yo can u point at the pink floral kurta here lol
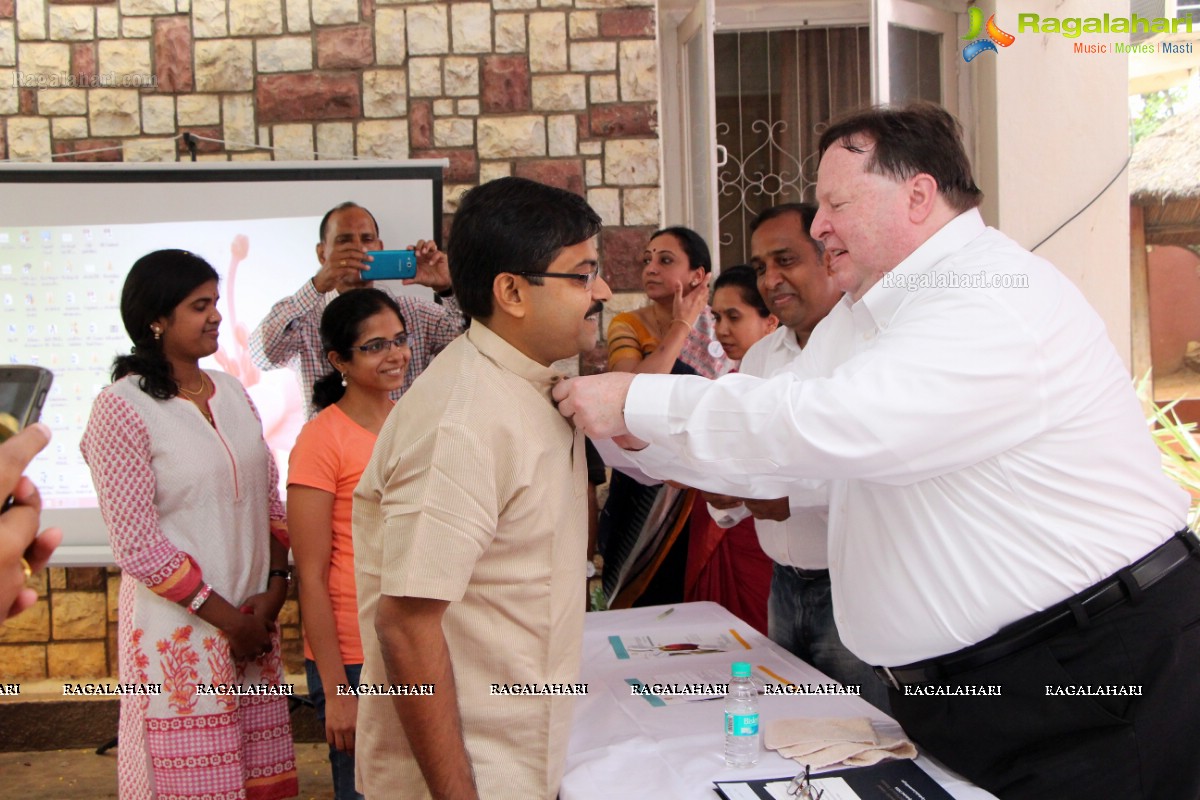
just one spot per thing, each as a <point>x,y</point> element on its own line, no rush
<point>187,504</point>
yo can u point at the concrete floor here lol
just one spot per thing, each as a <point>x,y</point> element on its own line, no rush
<point>74,774</point>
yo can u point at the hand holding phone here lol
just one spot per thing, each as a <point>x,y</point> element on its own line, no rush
<point>23,550</point>
<point>390,265</point>
<point>23,391</point>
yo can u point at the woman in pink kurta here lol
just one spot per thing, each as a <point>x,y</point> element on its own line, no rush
<point>187,489</point>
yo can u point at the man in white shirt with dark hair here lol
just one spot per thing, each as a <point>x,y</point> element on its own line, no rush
<point>999,516</point>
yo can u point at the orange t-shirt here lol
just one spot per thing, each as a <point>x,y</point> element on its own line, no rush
<point>330,454</point>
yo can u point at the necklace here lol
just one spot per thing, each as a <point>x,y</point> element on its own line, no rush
<point>658,324</point>
<point>194,397</point>
<point>197,392</point>
<point>204,410</point>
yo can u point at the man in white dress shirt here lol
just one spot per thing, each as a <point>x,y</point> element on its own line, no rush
<point>793,531</point>
<point>1003,540</point>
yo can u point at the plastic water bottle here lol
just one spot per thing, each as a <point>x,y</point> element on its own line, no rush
<point>741,718</point>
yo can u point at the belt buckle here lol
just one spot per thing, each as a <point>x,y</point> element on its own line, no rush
<point>888,678</point>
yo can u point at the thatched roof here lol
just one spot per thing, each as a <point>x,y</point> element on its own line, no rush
<point>1164,178</point>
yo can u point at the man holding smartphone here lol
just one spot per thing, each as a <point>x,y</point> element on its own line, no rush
<point>289,336</point>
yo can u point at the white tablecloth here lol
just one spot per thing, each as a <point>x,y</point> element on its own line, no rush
<point>623,747</point>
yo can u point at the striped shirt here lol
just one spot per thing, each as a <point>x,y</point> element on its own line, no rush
<point>290,336</point>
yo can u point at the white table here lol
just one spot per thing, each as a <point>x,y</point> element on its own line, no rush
<point>622,746</point>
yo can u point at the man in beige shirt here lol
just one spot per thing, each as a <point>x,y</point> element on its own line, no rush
<point>470,532</point>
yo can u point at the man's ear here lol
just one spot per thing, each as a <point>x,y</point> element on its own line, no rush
<point>922,196</point>
<point>320,253</point>
<point>510,295</point>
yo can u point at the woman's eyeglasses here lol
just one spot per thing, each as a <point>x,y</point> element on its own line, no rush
<point>376,346</point>
<point>586,278</point>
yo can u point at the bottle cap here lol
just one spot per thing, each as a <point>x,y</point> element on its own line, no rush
<point>741,669</point>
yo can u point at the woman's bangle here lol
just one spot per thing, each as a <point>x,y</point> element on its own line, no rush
<point>198,600</point>
<point>682,322</point>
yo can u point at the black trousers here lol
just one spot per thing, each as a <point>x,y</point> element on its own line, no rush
<point>1031,743</point>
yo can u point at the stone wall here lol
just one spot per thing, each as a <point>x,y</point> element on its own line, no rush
<point>71,632</point>
<point>560,91</point>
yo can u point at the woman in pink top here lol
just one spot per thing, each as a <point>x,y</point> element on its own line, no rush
<point>188,490</point>
<point>363,335</point>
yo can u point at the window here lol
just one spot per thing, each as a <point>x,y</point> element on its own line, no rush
<point>774,92</point>
<point>921,75</point>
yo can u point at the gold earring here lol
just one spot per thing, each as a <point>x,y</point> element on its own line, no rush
<point>157,332</point>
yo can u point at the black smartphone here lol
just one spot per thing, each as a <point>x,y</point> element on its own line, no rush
<point>390,265</point>
<point>23,390</point>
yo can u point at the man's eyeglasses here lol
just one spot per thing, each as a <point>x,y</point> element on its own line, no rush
<point>586,278</point>
<point>801,787</point>
<point>376,346</point>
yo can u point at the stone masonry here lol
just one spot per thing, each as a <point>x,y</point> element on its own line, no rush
<point>71,632</point>
<point>560,91</point>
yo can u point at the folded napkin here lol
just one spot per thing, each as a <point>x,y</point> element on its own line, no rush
<point>826,742</point>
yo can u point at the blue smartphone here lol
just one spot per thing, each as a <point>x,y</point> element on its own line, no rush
<point>390,265</point>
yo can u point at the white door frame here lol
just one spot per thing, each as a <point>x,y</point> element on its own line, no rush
<point>688,122</point>
<point>689,195</point>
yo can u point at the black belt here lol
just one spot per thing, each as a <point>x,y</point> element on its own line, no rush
<point>808,574</point>
<point>1091,602</point>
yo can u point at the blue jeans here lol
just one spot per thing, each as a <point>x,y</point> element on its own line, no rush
<point>800,619</point>
<point>341,763</point>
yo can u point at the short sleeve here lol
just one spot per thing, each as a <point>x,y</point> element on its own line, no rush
<point>315,460</point>
<point>440,507</point>
<point>623,340</point>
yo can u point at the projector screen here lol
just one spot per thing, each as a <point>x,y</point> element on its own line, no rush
<point>69,233</point>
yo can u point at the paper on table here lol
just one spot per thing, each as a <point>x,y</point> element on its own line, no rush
<point>832,788</point>
<point>666,645</point>
<point>886,781</point>
<point>741,791</point>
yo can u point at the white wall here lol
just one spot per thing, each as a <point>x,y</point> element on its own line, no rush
<point>1053,131</point>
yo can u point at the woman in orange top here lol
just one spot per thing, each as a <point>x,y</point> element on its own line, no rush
<point>363,334</point>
